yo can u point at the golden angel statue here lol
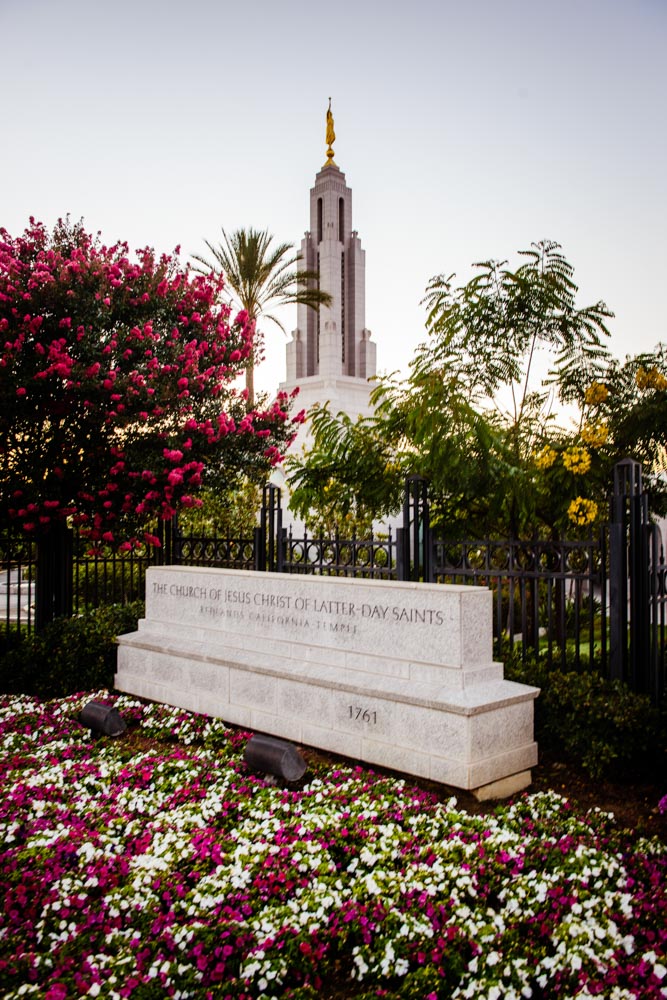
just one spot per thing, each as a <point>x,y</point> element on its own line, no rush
<point>331,135</point>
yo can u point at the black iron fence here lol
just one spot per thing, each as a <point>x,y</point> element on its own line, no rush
<point>638,592</point>
<point>612,591</point>
<point>550,597</point>
<point>17,580</point>
<point>218,551</point>
<point>374,557</point>
<point>568,601</point>
<point>656,680</point>
<point>64,577</point>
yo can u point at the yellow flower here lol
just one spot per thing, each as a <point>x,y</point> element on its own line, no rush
<point>545,458</point>
<point>577,460</point>
<point>582,511</point>
<point>595,435</point>
<point>596,393</point>
<point>652,379</point>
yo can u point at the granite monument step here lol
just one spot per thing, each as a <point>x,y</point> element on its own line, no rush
<point>396,674</point>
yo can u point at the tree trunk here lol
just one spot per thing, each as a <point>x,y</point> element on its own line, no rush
<point>250,382</point>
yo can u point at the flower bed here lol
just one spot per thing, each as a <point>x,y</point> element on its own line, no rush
<point>154,865</point>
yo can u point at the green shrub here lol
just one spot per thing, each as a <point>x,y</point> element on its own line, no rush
<point>70,655</point>
<point>11,636</point>
<point>600,724</point>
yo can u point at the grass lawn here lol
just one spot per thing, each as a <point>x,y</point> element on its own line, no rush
<point>154,865</point>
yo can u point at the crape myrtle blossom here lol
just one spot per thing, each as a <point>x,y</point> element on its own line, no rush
<point>115,385</point>
<point>155,865</point>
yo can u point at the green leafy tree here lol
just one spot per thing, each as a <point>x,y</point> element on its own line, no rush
<point>622,414</point>
<point>350,478</point>
<point>261,277</point>
<point>230,509</point>
<point>476,407</point>
<point>477,402</point>
<point>634,407</point>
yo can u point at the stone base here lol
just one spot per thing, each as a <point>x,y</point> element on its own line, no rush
<point>392,674</point>
<point>478,739</point>
<point>503,788</point>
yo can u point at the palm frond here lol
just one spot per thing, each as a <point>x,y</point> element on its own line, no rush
<point>261,276</point>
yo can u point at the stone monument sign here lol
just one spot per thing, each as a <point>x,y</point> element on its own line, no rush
<point>395,674</point>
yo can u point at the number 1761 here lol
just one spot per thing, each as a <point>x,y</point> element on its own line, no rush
<point>363,714</point>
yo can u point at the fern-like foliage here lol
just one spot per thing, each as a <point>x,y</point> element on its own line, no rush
<point>490,330</point>
<point>353,474</point>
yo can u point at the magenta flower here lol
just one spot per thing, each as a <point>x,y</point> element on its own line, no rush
<point>155,357</point>
<point>56,992</point>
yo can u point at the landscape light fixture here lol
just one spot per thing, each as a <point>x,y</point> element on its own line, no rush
<point>266,753</point>
<point>102,718</point>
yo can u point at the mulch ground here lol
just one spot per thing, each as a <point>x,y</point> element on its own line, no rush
<point>633,799</point>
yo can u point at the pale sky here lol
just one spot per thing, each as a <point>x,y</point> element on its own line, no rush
<point>465,130</point>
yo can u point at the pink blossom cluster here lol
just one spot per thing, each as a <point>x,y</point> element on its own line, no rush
<point>116,384</point>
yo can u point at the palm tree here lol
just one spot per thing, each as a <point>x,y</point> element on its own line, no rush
<point>261,276</point>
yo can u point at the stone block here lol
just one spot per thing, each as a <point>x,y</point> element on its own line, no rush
<point>395,674</point>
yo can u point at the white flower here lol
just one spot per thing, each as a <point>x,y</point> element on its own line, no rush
<point>372,886</point>
<point>362,967</point>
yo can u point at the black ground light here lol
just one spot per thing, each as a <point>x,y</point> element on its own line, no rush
<point>266,753</point>
<point>102,718</point>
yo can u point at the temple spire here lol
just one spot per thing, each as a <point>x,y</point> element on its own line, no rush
<point>332,342</point>
<point>330,138</point>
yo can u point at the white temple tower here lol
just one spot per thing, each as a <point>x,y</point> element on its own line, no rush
<point>331,356</point>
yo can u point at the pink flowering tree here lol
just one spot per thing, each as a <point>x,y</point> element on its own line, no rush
<point>116,397</point>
